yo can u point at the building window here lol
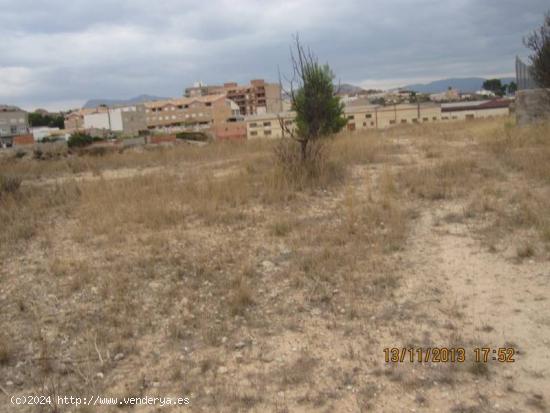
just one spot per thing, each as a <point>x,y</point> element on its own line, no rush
<point>392,122</point>
<point>434,118</point>
<point>267,132</point>
<point>253,133</point>
<point>267,123</point>
<point>403,120</point>
<point>415,120</point>
<point>445,118</point>
<point>368,115</point>
<point>253,124</point>
<point>454,117</point>
<point>208,103</point>
<point>372,123</point>
<point>364,123</point>
<point>425,119</point>
<point>350,117</point>
<point>13,129</point>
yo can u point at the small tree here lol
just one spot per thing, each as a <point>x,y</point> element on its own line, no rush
<point>79,140</point>
<point>50,120</point>
<point>512,87</point>
<point>319,112</point>
<point>495,86</point>
<point>539,43</point>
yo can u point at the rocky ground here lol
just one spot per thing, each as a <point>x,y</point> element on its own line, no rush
<point>206,277</point>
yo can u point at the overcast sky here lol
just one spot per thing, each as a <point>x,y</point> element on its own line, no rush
<point>58,54</point>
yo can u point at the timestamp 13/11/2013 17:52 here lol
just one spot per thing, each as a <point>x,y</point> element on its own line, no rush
<point>448,354</point>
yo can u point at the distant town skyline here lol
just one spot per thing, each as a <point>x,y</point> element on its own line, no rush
<point>58,54</point>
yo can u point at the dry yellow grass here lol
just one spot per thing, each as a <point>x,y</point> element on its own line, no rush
<point>247,278</point>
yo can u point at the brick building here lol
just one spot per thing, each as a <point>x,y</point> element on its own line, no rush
<point>268,125</point>
<point>75,119</point>
<point>252,99</point>
<point>189,114</point>
<point>124,120</point>
<point>13,122</point>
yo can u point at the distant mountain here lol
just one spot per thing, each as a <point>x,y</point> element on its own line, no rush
<point>341,89</point>
<point>94,103</point>
<point>347,89</point>
<point>466,84</point>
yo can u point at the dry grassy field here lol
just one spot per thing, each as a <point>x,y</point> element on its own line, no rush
<point>211,273</point>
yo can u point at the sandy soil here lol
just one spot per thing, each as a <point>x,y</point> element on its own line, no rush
<point>145,312</point>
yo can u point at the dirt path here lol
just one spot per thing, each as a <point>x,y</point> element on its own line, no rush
<point>483,299</point>
<point>217,169</point>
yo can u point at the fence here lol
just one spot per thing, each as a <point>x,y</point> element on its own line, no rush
<point>523,76</point>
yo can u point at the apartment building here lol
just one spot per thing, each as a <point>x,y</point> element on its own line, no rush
<point>255,98</point>
<point>232,130</point>
<point>13,122</point>
<point>364,117</point>
<point>450,95</point>
<point>203,90</point>
<point>475,110</point>
<point>125,120</point>
<point>75,119</point>
<point>380,117</point>
<point>189,114</point>
<point>268,125</point>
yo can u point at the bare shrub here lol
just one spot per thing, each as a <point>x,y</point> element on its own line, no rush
<point>281,228</point>
<point>446,179</point>
<point>300,371</point>
<point>50,151</point>
<point>362,148</point>
<point>317,169</point>
<point>5,349</point>
<point>241,297</point>
<point>539,43</point>
<point>24,215</point>
<point>525,251</point>
<point>9,184</point>
<point>525,149</point>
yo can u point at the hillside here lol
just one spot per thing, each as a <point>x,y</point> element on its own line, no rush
<point>94,103</point>
<point>466,84</point>
<point>348,89</point>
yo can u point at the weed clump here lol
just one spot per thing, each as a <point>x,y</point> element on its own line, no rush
<point>9,184</point>
<point>316,170</point>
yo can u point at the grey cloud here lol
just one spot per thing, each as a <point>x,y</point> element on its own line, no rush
<point>55,52</point>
